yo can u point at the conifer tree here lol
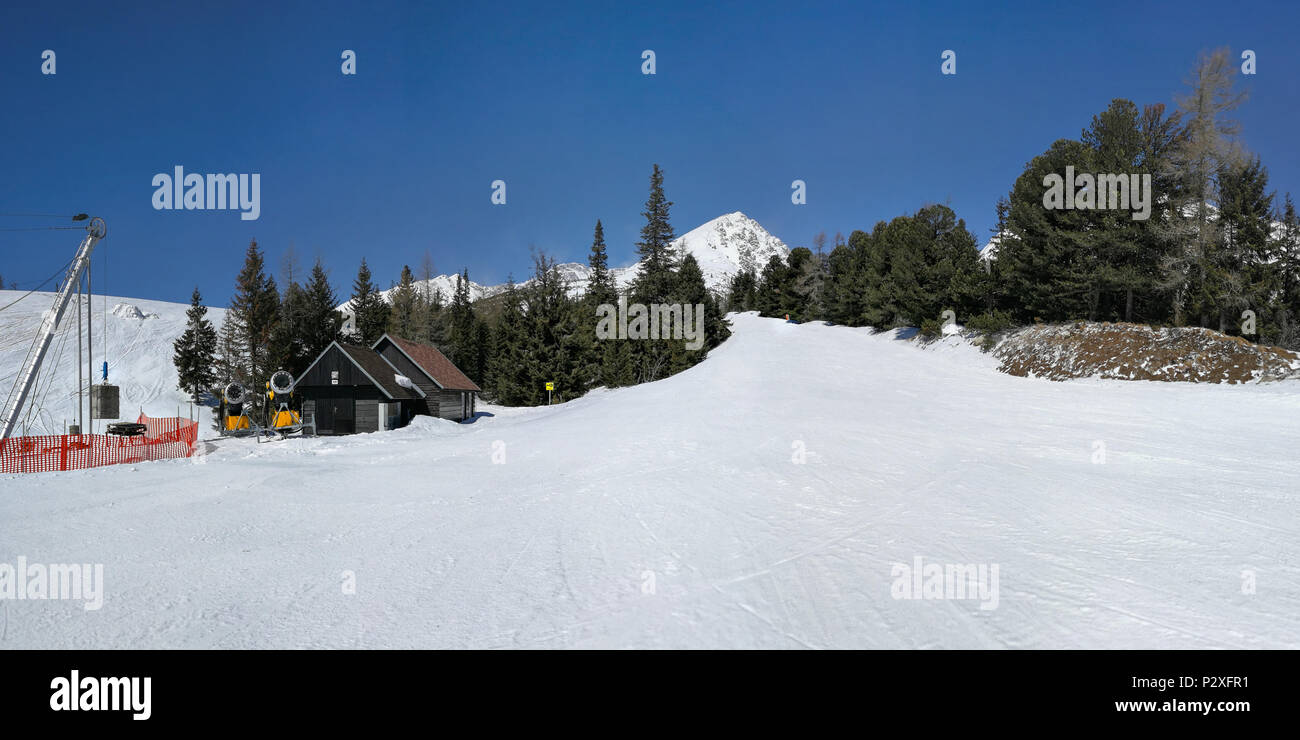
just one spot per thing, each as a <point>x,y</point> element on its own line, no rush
<point>773,283</point>
<point>195,350</point>
<point>482,352</point>
<point>654,282</point>
<point>230,362</point>
<point>507,376</point>
<point>842,295</point>
<point>692,292</point>
<point>288,339</point>
<point>1049,261</point>
<point>369,309</point>
<point>430,324</point>
<point>256,307</point>
<point>594,352</point>
<point>552,348</point>
<point>742,291</point>
<point>321,320</point>
<point>803,285</point>
<point>1288,257</point>
<point>463,336</point>
<point>619,364</point>
<point>1205,150</point>
<point>600,286</point>
<point>404,318</point>
<point>1246,273</point>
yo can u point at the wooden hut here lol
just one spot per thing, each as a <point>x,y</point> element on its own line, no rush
<point>351,389</point>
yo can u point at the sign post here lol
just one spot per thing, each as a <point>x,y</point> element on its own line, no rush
<point>550,386</point>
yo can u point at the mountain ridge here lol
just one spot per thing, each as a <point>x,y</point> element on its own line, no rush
<point>723,246</point>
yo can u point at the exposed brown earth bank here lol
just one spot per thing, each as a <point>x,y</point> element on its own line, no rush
<point>1137,352</point>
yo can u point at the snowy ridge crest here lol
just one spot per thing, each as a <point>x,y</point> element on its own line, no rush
<point>723,247</point>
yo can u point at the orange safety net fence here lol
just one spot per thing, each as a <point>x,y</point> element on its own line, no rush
<point>163,439</point>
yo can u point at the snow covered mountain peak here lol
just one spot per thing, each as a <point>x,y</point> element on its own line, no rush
<point>728,244</point>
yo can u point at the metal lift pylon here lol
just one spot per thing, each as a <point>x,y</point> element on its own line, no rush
<point>95,231</point>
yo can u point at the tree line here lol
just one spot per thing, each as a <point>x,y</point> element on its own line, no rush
<point>512,344</point>
<point>1216,243</point>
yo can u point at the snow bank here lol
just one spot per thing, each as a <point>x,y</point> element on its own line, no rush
<point>132,311</point>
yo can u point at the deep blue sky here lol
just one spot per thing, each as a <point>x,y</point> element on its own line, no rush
<point>451,96</point>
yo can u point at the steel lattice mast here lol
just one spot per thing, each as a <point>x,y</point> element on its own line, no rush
<point>94,232</point>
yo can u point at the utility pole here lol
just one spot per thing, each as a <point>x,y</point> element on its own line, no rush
<point>81,428</point>
<point>94,232</point>
<point>90,349</point>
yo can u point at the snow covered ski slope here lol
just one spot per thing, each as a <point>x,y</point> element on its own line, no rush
<point>139,347</point>
<point>769,497</point>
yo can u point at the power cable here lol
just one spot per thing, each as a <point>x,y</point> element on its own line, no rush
<point>44,282</point>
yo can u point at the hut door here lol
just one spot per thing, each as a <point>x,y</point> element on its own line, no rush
<point>324,408</point>
<point>344,415</point>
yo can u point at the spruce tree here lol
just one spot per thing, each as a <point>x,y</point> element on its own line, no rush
<point>1288,258</point>
<point>1248,271</point>
<point>321,320</point>
<point>803,285</point>
<point>692,292</point>
<point>600,286</point>
<point>288,339</point>
<point>404,318</point>
<point>429,304</point>
<point>435,318</point>
<point>742,291</point>
<point>773,282</point>
<point>195,350</point>
<point>552,348</point>
<point>841,294</point>
<point>654,282</point>
<point>256,307</point>
<point>618,366</point>
<point>507,377</point>
<point>601,291</point>
<point>369,310</point>
<point>463,336</point>
<point>480,367</point>
<point>231,360</point>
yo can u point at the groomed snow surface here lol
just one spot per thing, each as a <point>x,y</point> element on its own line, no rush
<point>674,514</point>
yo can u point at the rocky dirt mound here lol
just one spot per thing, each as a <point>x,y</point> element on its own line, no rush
<point>1137,352</point>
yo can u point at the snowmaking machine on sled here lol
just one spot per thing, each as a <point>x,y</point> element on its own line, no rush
<point>284,420</point>
<point>280,422</point>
